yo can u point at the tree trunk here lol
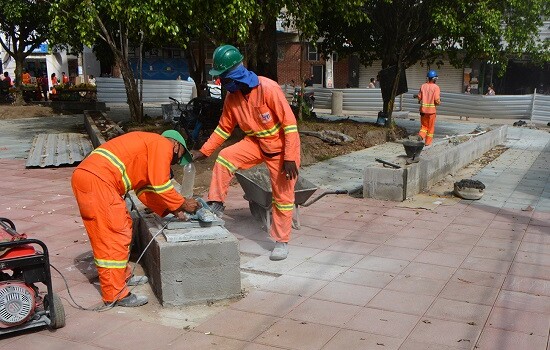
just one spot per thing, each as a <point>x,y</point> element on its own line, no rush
<point>132,92</point>
<point>262,53</point>
<point>19,62</point>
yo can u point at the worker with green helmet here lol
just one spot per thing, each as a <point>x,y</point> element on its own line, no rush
<point>138,161</point>
<point>257,105</point>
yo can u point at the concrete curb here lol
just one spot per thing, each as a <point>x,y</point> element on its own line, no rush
<point>436,163</point>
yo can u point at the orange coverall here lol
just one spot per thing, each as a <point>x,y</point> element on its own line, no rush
<point>429,97</point>
<point>26,78</point>
<point>137,161</point>
<point>271,137</point>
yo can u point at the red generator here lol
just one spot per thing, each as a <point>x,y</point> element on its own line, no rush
<point>24,263</point>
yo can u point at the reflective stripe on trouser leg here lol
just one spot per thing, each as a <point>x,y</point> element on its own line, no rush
<point>430,127</point>
<point>242,155</point>
<point>283,200</point>
<point>109,227</point>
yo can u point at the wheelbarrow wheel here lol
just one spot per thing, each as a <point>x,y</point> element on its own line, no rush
<point>58,321</point>
<point>259,213</point>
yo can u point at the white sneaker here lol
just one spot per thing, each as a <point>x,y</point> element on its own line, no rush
<point>280,252</point>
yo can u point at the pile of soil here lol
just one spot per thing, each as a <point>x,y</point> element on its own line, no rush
<point>27,111</point>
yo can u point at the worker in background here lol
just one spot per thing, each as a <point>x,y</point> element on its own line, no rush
<point>429,97</point>
<point>372,84</point>
<point>64,78</point>
<point>53,91</point>
<point>26,78</point>
<point>138,161</point>
<point>258,106</point>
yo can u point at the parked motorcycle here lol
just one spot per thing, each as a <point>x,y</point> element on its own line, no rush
<point>198,118</point>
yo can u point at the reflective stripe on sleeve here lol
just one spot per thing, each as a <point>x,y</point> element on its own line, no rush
<point>157,189</point>
<point>290,128</point>
<point>118,164</point>
<point>224,135</point>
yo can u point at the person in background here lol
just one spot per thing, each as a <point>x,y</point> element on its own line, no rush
<point>54,83</point>
<point>258,106</point>
<point>372,84</point>
<point>7,80</point>
<point>44,85</point>
<point>64,78</point>
<point>26,78</point>
<point>467,91</point>
<point>308,81</point>
<point>138,161</point>
<point>429,97</point>
<point>491,90</point>
<point>91,80</point>
<point>377,81</point>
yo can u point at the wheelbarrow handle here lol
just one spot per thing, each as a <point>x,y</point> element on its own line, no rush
<point>322,195</point>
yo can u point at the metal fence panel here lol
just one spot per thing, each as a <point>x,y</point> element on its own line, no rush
<point>541,108</point>
<point>112,90</point>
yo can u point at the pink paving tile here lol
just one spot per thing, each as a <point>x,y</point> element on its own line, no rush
<point>498,339</point>
<point>295,285</point>
<point>480,278</point>
<point>324,312</point>
<point>435,258</point>
<point>391,220</point>
<point>446,333</point>
<point>538,237</point>
<point>503,234</point>
<point>436,217</point>
<point>329,232</point>
<point>417,232</point>
<point>470,293</point>
<point>201,341</point>
<point>336,258</point>
<point>416,285</point>
<point>318,271</point>
<point>252,247</point>
<point>346,293</point>
<point>403,213</point>
<point>498,243</point>
<point>352,247</point>
<point>475,222</point>
<point>343,224</point>
<point>352,340</point>
<point>519,321</point>
<point>459,238</point>
<point>429,271</point>
<point>297,335</point>
<point>423,224</point>
<point>249,326</point>
<point>311,220</point>
<point>313,241</point>
<point>534,248</point>
<point>528,270</point>
<point>523,301</point>
<point>493,253</point>
<point>391,324</point>
<point>467,229</point>
<point>407,242</point>
<point>459,311</point>
<point>508,226</point>
<point>532,258</point>
<point>487,265</point>
<point>406,303</point>
<point>396,252</point>
<point>440,246</point>
<point>381,227</point>
<point>44,341</point>
<point>509,215</point>
<point>137,335</point>
<point>82,327</point>
<point>359,218</point>
<point>527,285</point>
<point>268,303</point>
<point>414,345</point>
<point>376,263</point>
<point>367,237</point>
<point>253,346</point>
<point>367,278</point>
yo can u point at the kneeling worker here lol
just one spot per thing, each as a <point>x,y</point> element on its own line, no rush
<point>258,106</point>
<point>137,161</point>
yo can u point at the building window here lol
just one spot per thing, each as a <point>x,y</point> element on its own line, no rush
<point>312,54</point>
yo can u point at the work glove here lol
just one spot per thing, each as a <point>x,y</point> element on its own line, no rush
<point>290,169</point>
<point>197,155</point>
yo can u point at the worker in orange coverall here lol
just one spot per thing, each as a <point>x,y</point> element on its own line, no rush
<point>258,106</point>
<point>138,161</point>
<point>429,97</point>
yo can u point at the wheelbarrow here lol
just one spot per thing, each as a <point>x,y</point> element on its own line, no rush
<point>256,185</point>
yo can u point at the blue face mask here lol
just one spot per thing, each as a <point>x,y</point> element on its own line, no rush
<point>232,86</point>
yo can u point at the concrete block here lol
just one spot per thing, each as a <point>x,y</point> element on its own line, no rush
<point>434,165</point>
<point>194,271</point>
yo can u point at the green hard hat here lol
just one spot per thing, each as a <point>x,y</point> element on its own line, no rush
<point>174,135</point>
<point>225,58</point>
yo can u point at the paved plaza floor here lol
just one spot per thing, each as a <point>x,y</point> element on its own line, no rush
<point>361,274</point>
